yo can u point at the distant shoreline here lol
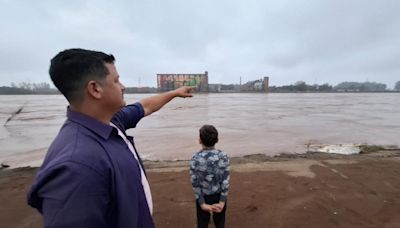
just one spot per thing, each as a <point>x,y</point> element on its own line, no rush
<point>34,158</point>
<point>244,92</point>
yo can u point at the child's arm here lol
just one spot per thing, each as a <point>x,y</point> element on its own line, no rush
<point>195,180</point>
<point>224,165</point>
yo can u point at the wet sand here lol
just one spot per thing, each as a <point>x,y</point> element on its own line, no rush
<point>308,190</point>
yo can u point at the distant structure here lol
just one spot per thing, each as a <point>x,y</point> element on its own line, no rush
<point>214,87</point>
<point>167,82</point>
<point>266,84</point>
<point>260,85</point>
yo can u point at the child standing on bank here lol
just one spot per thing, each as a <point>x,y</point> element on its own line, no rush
<point>209,174</point>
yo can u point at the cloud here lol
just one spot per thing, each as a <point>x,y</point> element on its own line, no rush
<point>312,41</point>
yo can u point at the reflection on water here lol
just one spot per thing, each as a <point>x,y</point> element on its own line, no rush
<point>248,123</point>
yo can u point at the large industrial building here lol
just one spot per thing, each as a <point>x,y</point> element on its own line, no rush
<point>167,82</point>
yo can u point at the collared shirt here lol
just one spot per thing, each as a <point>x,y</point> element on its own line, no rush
<point>145,182</point>
<point>90,178</point>
<point>209,174</point>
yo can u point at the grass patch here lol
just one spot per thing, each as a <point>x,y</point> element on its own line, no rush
<point>365,149</point>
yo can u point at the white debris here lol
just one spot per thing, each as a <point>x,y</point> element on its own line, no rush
<point>345,149</point>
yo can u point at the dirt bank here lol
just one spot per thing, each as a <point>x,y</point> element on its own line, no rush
<point>310,190</point>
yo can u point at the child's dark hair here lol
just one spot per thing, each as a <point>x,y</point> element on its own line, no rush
<point>208,135</point>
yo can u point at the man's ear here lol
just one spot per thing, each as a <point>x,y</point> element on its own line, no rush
<point>94,89</point>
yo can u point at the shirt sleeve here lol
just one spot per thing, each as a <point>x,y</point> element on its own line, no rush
<point>71,195</point>
<point>225,168</point>
<point>128,116</point>
<point>196,179</point>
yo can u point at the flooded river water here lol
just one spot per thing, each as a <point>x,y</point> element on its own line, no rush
<point>247,123</point>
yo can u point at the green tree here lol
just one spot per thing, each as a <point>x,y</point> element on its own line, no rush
<point>360,87</point>
<point>397,86</point>
<point>300,86</point>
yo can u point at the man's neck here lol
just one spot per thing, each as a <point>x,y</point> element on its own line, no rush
<point>93,111</point>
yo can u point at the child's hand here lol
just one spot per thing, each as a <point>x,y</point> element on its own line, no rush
<point>218,207</point>
<point>208,208</point>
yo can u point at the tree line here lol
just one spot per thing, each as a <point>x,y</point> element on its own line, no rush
<point>28,88</point>
<point>301,86</point>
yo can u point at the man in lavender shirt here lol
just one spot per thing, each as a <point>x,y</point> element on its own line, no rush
<point>92,175</point>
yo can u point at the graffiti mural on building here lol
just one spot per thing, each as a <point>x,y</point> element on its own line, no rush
<point>166,82</point>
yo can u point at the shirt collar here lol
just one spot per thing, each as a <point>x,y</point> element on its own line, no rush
<point>100,128</point>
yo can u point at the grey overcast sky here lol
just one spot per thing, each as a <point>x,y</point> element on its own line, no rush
<point>316,41</point>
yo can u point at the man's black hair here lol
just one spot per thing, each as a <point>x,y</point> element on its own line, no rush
<point>72,69</point>
<point>208,135</point>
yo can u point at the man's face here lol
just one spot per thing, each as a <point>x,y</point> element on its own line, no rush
<point>113,90</point>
